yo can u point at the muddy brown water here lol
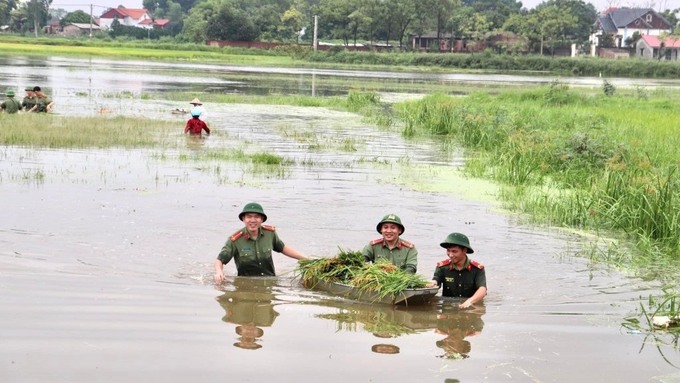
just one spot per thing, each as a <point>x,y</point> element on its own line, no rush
<point>106,257</point>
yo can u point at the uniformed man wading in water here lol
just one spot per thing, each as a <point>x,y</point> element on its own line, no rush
<point>391,247</point>
<point>461,276</point>
<point>251,247</point>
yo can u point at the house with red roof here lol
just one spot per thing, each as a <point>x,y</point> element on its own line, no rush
<point>131,17</point>
<point>653,47</point>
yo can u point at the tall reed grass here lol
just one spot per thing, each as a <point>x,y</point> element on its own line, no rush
<point>586,161</point>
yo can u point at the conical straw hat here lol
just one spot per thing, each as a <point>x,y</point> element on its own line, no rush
<point>196,101</point>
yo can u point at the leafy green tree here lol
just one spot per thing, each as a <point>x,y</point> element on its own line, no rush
<point>174,12</point>
<point>554,21</point>
<point>292,22</point>
<point>195,25</point>
<point>334,18</point>
<point>154,5</point>
<point>370,22</point>
<point>606,40</point>
<point>6,8</point>
<point>423,21</point>
<point>495,12</point>
<point>359,22</point>
<point>584,17</point>
<point>19,19</point>
<point>38,12</point>
<point>231,23</point>
<point>401,13</point>
<point>475,27</point>
<point>78,16</point>
<point>443,12</point>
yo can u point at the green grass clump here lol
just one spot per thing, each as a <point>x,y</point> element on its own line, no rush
<point>350,268</point>
<point>51,131</point>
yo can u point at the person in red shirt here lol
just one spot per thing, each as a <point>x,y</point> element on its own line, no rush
<point>195,126</point>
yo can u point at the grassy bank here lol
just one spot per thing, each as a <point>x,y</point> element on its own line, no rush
<point>141,51</point>
<point>170,50</point>
<point>590,162</point>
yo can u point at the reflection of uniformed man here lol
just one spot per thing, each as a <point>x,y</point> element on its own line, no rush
<point>249,306</point>
<point>457,325</point>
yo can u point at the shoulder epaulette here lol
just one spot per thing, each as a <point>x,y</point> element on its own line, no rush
<point>236,235</point>
<point>477,265</point>
<point>444,263</point>
<point>407,244</point>
<point>377,241</point>
<point>269,227</point>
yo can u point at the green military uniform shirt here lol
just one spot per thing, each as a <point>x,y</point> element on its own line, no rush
<point>42,103</point>
<point>404,255</point>
<point>28,102</point>
<point>253,257</point>
<point>460,283</point>
<point>10,105</point>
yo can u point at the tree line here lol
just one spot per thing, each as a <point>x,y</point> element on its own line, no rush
<point>551,24</point>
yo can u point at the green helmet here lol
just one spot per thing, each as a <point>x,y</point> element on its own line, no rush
<point>392,218</point>
<point>28,89</point>
<point>457,239</point>
<point>9,93</point>
<point>253,207</point>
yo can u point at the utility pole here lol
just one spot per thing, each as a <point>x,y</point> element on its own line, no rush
<point>90,21</point>
<point>315,42</point>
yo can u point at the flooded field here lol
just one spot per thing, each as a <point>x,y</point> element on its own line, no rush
<point>106,254</point>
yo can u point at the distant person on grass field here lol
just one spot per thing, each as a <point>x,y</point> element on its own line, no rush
<point>460,276</point>
<point>43,103</point>
<point>251,247</point>
<point>10,105</point>
<point>195,126</point>
<point>29,100</point>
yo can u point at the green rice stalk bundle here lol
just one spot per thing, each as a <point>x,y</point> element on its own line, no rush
<point>382,278</point>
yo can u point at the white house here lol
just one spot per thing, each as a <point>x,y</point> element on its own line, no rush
<point>622,23</point>
<point>131,17</point>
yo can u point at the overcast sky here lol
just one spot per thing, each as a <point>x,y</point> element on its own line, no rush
<point>99,6</point>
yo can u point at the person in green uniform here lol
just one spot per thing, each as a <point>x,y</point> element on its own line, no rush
<point>43,104</point>
<point>251,247</point>
<point>391,247</point>
<point>460,276</point>
<point>28,102</point>
<point>10,105</point>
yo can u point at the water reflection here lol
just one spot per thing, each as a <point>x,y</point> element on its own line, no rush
<point>194,142</point>
<point>387,322</point>
<point>249,306</point>
<point>457,325</point>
